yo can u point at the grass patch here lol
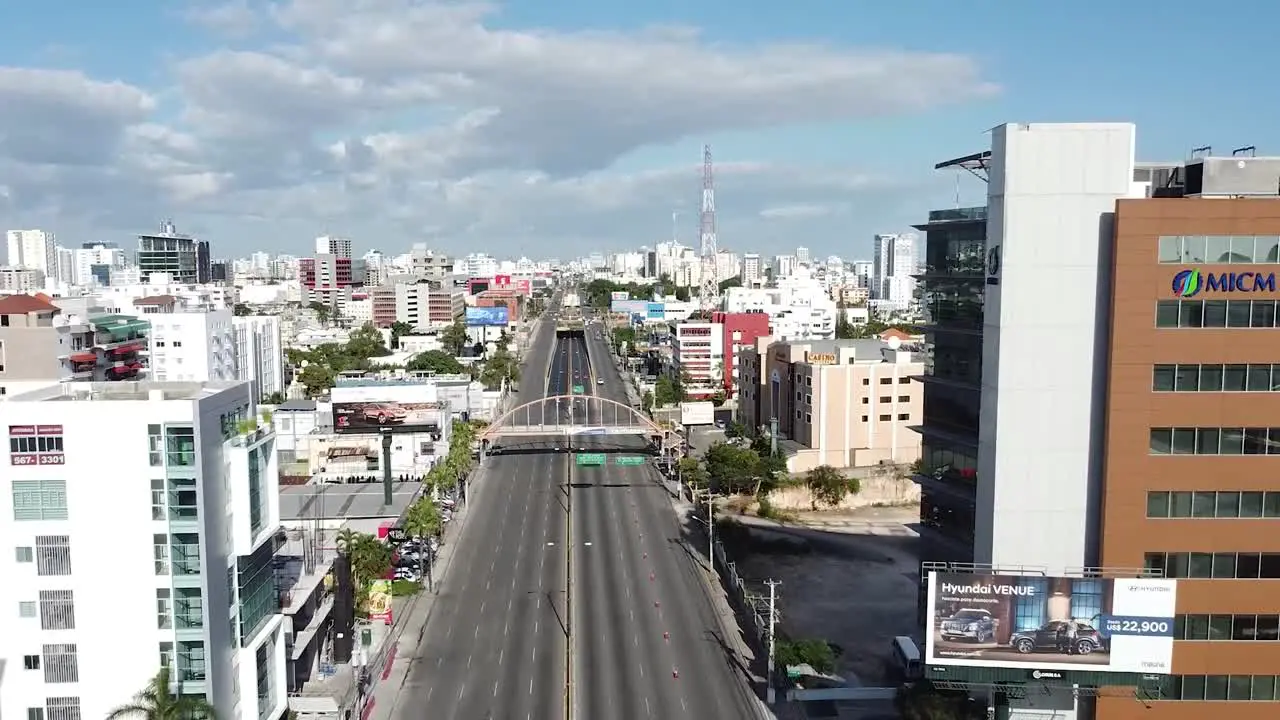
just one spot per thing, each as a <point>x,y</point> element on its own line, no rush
<point>402,588</point>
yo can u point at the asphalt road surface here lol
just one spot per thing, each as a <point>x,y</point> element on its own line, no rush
<point>645,638</point>
<point>494,647</point>
<point>645,642</point>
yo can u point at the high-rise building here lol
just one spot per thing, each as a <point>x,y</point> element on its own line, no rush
<point>893,269</point>
<point>94,262</point>
<point>752,272</point>
<point>326,279</point>
<point>35,250</point>
<point>142,519</point>
<point>183,257</point>
<point>331,245</point>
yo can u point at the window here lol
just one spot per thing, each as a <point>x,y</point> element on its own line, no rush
<point>1217,249</point>
<point>157,499</point>
<point>1215,441</point>
<point>155,443</point>
<point>57,610</point>
<point>904,398</point>
<point>164,608</point>
<point>35,713</point>
<point>180,446</point>
<point>24,554</point>
<point>886,381</point>
<point>1212,314</point>
<point>904,416</point>
<point>904,380</point>
<point>1260,377</point>
<point>39,499</point>
<point>30,662</point>
<point>63,708</point>
<point>1215,566</point>
<point>1198,688</point>
<point>53,555</point>
<point>166,654</point>
<point>886,418</point>
<point>60,663</point>
<point>1217,504</point>
<point>886,399</point>
<point>160,551</point>
<point>26,609</point>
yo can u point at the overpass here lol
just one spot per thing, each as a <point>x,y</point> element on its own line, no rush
<point>569,415</point>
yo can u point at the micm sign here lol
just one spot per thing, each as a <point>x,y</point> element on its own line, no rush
<point>1192,282</point>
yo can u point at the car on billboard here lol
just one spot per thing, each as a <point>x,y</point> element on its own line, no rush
<point>1068,623</point>
<point>383,413</point>
<point>384,416</point>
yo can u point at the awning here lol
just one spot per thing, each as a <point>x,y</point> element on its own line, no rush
<point>133,347</point>
<point>136,366</point>
<point>120,368</point>
<point>83,357</point>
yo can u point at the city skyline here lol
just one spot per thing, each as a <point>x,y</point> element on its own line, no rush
<point>256,127</point>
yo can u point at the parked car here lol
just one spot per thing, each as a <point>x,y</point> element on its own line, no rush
<point>972,624</point>
<point>1052,635</point>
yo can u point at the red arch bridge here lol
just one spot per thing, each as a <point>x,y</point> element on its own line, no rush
<point>571,415</point>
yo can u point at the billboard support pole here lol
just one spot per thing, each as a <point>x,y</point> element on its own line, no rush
<point>773,436</point>
<point>386,469</point>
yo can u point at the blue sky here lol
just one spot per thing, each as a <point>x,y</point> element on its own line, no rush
<point>1186,75</point>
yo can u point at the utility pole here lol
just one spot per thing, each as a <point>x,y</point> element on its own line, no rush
<point>773,436</point>
<point>773,621</point>
<point>711,531</point>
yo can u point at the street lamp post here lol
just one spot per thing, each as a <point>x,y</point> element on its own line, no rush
<point>711,531</point>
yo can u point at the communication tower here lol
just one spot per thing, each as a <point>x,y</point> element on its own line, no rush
<point>710,290</point>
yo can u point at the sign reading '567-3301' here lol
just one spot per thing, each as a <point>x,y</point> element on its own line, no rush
<point>1193,281</point>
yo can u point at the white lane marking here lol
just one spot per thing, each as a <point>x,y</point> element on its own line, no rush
<point>495,688</point>
<point>683,706</point>
<point>647,709</point>
<point>462,689</point>
<point>429,691</point>
<point>482,604</point>
<point>531,688</point>
<point>476,634</point>
<point>535,627</point>
<point>506,629</point>
<point>468,661</point>
<point>439,661</point>
<point>501,654</point>
<point>587,544</point>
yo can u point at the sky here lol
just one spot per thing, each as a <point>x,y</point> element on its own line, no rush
<point>553,128</point>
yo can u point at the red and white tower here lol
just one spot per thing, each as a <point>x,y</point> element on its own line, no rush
<point>710,290</point>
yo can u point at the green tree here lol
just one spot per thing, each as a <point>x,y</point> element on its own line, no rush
<point>733,469</point>
<point>646,401</point>
<point>398,330</point>
<point>240,310</point>
<point>366,342</point>
<point>692,473</point>
<point>817,654</point>
<point>436,361</point>
<point>454,337</point>
<point>844,328</point>
<point>828,487</point>
<point>370,557</point>
<point>730,283</point>
<point>157,701</point>
<point>664,391</point>
<point>274,398</point>
<point>735,429</point>
<point>323,312</point>
<point>423,520</point>
<point>317,378</point>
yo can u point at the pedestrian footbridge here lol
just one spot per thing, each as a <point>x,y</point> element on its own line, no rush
<point>570,415</point>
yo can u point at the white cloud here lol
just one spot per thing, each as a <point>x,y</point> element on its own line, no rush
<point>412,120</point>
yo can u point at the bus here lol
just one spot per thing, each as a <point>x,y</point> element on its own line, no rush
<point>906,657</point>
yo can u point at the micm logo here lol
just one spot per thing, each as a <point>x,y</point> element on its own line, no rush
<point>1192,282</point>
<point>1187,283</point>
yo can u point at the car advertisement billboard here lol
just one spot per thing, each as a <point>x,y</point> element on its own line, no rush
<point>369,417</point>
<point>1053,623</point>
<point>619,295</point>
<point>487,317</point>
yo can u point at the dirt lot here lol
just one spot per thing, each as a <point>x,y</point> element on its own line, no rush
<point>849,578</point>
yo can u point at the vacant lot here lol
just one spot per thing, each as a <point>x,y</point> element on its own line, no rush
<point>854,582</point>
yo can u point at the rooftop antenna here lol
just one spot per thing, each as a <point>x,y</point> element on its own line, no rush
<point>1247,150</point>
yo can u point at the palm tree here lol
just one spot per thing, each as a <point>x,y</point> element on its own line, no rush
<point>158,702</point>
<point>345,540</point>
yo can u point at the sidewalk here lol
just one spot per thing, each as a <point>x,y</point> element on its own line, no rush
<point>407,635</point>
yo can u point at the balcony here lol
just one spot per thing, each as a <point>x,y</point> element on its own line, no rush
<point>112,331</point>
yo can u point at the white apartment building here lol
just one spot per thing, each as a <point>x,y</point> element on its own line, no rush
<point>697,352</point>
<point>752,271</point>
<point>193,346</point>
<point>893,264</point>
<point>20,280</point>
<point>259,350</point>
<point>35,249</point>
<point>331,245</point>
<point>94,265</point>
<point>142,518</point>
<point>799,308</point>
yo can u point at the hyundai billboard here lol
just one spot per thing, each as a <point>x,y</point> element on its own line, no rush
<point>384,407</point>
<point>487,317</point>
<point>1060,623</point>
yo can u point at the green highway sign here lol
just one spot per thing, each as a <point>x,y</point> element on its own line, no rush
<point>629,460</point>
<point>578,389</point>
<point>581,459</point>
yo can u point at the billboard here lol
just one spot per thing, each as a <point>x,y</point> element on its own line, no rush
<point>353,418</point>
<point>629,307</point>
<point>697,413</point>
<point>1051,623</point>
<point>620,295</point>
<point>487,317</point>
<point>656,311</point>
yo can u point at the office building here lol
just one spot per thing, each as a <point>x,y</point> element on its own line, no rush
<point>33,250</point>
<point>893,269</point>
<point>142,520</point>
<point>954,290</point>
<point>183,258</point>
<point>94,263</point>
<point>844,403</point>
<point>20,280</point>
<point>326,279</point>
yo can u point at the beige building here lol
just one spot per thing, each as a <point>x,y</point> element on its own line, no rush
<point>844,403</point>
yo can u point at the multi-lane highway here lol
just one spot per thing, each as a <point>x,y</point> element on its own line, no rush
<point>494,647</point>
<point>646,641</point>
<point>635,621</point>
